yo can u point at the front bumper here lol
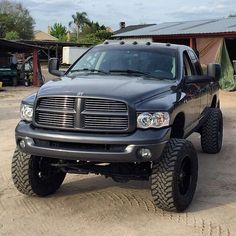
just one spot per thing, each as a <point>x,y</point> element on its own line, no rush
<point>89,146</point>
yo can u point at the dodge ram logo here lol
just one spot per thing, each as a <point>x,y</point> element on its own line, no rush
<point>80,93</point>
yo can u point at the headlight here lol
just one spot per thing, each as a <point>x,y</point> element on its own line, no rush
<point>153,120</point>
<point>144,120</point>
<point>26,112</point>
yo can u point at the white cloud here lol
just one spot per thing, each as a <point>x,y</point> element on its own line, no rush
<point>221,6</point>
<point>111,12</point>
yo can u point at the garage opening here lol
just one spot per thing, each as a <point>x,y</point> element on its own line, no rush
<point>231,47</point>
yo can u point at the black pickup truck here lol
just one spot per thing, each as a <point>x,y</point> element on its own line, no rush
<point>122,110</point>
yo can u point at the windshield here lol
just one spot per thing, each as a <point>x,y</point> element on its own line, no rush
<point>158,63</point>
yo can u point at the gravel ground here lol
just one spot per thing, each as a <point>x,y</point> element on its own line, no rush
<point>93,205</point>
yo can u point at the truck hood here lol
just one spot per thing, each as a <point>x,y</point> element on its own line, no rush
<point>127,88</point>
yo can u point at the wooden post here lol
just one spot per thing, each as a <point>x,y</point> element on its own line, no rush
<point>57,51</point>
<point>35,67</point>
<point>191,43</point>
<point>48,54</point>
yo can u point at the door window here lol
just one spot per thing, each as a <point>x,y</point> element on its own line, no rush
<point>195,62</point>
<point>188,67</point>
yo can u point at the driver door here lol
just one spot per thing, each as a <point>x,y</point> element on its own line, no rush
<point>192,93</point>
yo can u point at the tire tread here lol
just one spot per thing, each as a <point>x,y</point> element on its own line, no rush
<point>209,132</point>
<point>163,175</point>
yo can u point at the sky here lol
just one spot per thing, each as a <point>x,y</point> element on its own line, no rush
<point>111,12</point>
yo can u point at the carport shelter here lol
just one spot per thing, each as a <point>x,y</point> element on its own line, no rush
<point>214,40</point>
<point>7,46</point>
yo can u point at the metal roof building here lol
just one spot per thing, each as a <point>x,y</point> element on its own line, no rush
<point>7,46</point>
<point>13,46</point>
<point>223,26</point>
<point>124,29</point>
<point>186,32</point>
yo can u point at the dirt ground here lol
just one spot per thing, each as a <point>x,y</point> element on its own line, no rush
<point>93,205</point>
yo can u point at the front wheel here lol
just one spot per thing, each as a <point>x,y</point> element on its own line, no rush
<point>33,175</point>
<point>174,176</point>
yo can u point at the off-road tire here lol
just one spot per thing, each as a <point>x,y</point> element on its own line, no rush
<point>212,132</point>
<point>26,178</point>
<point>165,178</point>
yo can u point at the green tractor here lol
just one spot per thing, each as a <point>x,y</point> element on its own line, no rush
<point>8,69</point>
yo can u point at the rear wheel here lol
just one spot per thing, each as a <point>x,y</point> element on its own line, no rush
<point>174,177</point>
<point>212,132</point>
<point>33,175</point>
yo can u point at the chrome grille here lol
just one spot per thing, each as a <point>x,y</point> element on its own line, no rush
<point>104,105</point>
<point>105,123</point>
<point>88,114</point>
<point>57,103</point>
<point>55,112</point>
<point>104,114</point>
<point>55,119</point>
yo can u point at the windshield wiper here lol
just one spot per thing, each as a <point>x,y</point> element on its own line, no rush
<point>89,70</point>
<point>133,72</point>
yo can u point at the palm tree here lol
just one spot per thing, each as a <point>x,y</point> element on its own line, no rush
<point>80,19</point>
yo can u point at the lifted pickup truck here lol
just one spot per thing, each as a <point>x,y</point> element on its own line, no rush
<point>122,110</point>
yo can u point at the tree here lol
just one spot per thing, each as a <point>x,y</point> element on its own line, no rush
<point>95,38</point>
<point>232,15</point>
<point>12,35</point>
<point>15,18</point>
<point>93,27</point>
<point>59,31</point>
<point>80,19</point>
<point>94,33</point>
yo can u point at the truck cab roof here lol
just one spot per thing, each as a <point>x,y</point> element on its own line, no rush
<point>136,44</point>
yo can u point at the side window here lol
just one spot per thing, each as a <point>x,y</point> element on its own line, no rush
<point>198,68</point>
<point>192,56</point>
<point>188,67</point>
<point>195,62</point>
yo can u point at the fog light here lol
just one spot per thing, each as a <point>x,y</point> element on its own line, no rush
<point>145,153</point>
<point>22,144</point>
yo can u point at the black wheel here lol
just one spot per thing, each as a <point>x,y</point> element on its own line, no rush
<point>33,175</point>
<point>174,176</point>
<point>212,132</point>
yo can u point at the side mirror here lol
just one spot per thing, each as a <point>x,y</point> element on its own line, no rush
<point>214,70</point>
<point>53,67</point>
